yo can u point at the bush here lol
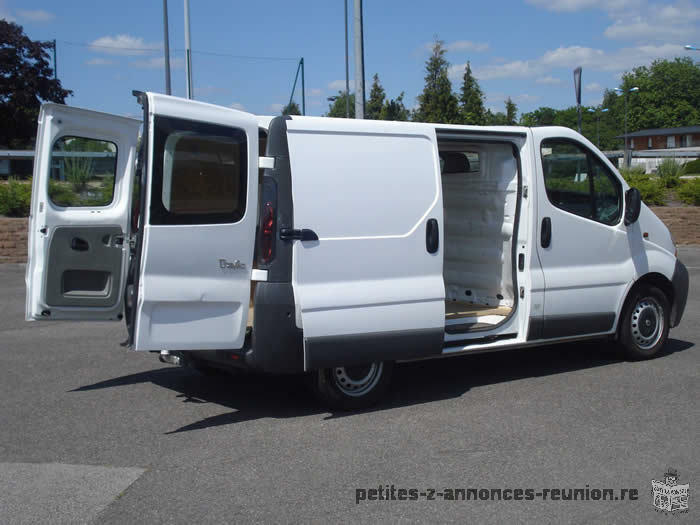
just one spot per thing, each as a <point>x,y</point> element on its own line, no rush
<point>670,172</point>
<point>78,172</point>
<point>634,171</point>
<point>692,167</point>
<point>15,198</point>
<point>61,193</point>
<point>689,192</point>
<point>652,189</point>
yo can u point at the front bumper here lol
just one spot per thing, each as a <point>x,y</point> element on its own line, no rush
<point>680,282</point>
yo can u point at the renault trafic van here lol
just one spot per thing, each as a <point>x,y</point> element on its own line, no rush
<point>337,247</point>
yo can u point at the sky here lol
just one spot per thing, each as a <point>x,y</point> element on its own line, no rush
<point>245,54</point>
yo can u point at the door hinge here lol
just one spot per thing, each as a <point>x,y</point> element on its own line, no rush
<point>522,292</point>
<point>43,230</point>
<point>524,192</point>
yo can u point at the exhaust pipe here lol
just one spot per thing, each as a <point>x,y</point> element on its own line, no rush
<point>171,359</point>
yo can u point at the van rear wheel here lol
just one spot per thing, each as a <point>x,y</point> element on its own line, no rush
<point>646,323</point>
<point>353,387</point>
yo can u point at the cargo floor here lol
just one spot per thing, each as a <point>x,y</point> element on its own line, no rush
<point>458,310</point>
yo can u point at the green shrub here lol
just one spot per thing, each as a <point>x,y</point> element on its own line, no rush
<point>15,198</point>
<point>61,194</point>
<point>634,171</point>
<point>78,172</point>
<point>689,192</point>
<point>692,167</point>
<point>670,172</point>
<point>652,189</point>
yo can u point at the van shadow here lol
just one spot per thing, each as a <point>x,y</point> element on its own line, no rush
<point>253,396</point>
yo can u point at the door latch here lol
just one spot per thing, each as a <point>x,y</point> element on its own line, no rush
<point>292,234</point>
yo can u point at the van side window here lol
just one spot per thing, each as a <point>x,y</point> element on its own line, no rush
<point>199,173</point>
<point>82,172</point>
<point>578,182</point>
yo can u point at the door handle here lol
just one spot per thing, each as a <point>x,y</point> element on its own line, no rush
<point>546,232</point>
<point>304,234</point>
<point>432,236</point>
<point>79,245</point>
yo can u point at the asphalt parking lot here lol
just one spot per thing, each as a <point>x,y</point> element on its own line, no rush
<point>90,432</point>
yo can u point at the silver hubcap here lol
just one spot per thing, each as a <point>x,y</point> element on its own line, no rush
<point>647,323</point>
<point>356,381</point>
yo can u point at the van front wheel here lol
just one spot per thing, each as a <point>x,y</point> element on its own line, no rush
<point>353,387</point>
<point>645,323</point>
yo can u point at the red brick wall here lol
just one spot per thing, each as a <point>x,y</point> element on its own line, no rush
<point>13,240</point>
<point>659,142</point>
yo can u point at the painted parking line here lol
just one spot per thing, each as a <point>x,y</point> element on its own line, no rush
<point>59,493</point>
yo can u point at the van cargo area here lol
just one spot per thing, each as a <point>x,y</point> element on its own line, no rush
<point>480,189</point>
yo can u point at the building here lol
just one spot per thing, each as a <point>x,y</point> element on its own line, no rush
<point>664,138</point>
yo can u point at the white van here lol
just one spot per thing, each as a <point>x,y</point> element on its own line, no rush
<point>337,247</point>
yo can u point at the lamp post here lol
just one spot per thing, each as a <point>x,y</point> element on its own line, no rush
<point>598,112</point>
<point>620,91</point>
<point>692,48</point>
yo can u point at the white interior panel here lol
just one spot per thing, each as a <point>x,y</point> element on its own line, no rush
<point>480,208</point>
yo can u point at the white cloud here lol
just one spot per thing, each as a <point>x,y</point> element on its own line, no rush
<point>98,62</point>
<point>526,98</point>
<point>339,85</point>
<point>316,92</point>
<point>275,108</point>
<point>238,106</point>
<point>622,59</point>
<point>549,80</point>
<point>466,45</point>
<point>658,22</point>
<point>593,86</point>
<point>578,5</point>
<point>158,63</point>
<point>126,45</point>
<point>35,15</point>
<point>514,69</point>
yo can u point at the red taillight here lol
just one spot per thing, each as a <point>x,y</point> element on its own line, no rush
<point>267,233</point>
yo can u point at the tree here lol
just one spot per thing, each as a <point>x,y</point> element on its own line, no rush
<point>495,119</point>
<point>668,96</point>
<point>437,103</point>
<point>373,109</point>
<point>337,107</point>
<point>472,99</point>
<point>543,116</point>
<point>26,80</point>
<point>394,109</point>
<point>291,109</point>
<point>511,112</point>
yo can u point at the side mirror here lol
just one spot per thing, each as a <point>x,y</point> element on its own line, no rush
<point>633,205</point>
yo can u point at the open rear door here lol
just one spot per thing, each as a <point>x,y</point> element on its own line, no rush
<point>78,226</point>
<point>199,227</point>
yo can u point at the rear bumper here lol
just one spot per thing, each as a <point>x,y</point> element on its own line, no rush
<point>680,282</point>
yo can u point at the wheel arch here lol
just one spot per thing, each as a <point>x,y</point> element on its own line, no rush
<point>656,279</point>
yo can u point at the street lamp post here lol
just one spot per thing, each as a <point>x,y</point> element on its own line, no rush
<point>598,112</point>
<point>620,91</point>
<point>692,48</point>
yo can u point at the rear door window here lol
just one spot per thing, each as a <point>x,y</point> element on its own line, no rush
<point>82,172</point>
<point>199,173</point>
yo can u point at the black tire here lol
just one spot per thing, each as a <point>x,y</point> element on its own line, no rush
<point>640,333</point>
<point>352,388</point>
